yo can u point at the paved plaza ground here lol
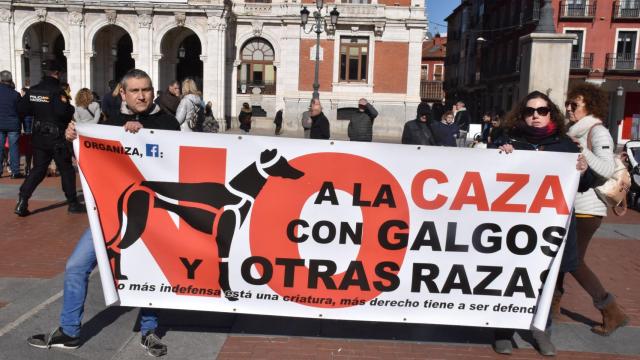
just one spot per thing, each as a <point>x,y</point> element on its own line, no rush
<point>35,248</point>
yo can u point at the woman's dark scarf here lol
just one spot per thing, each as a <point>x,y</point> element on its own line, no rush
<point>535,135</point>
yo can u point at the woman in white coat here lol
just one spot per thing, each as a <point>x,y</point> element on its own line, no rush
<point>189,105</point>
<point>587,105</point>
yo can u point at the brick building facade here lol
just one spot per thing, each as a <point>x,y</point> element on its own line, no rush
<point>484,54</point>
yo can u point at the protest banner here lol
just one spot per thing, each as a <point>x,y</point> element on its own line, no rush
<point>326,229</point>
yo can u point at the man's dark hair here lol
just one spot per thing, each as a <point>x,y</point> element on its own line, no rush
<point>5,77</point>
<point>173,82</point>
<point>134,74</point>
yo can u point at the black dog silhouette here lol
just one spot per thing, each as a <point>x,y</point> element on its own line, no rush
<point>232,202</point>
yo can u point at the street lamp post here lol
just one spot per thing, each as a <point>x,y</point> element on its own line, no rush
<point>318,27</point>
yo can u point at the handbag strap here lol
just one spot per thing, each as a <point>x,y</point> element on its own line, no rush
<point>621,208</point>
<point>589,144</point>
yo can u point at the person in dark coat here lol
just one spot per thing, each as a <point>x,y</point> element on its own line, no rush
<point>361,124</point>
<point>244,118</point>
<point>462,119</point>
<point>49,105</point>
<point>170,99</point>
<point>320,128</point>
<point>537,124</point>
<point>278,121</point>
<point>137,112</point>
<point>446,131</point>
<point>10,125</point>
<point>111,101</point>
<point>418,131</point>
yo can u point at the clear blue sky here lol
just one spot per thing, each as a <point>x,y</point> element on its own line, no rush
<point>437,11</point>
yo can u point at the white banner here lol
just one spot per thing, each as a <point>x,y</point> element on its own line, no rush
<point>326,229</point>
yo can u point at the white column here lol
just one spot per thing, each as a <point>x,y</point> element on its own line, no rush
<point>73,50</point>
<point>214,64</point>
<point>414,63</point>
<point>144,56</point>
<point>7,41</point>
<point>155,72</point>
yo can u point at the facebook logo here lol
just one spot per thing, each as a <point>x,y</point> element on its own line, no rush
<point>153,150</point>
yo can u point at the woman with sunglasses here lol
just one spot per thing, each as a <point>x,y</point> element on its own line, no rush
<point>536,123</point>
<point>586,106</point>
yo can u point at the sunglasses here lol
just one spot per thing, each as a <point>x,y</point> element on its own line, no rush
<point>572,104</point>
<point>542,111</point>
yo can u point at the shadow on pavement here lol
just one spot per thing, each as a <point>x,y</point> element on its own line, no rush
<point>101,320</point>
<point>287,326</point>
<point>578,317</point>
<point>47,208</point>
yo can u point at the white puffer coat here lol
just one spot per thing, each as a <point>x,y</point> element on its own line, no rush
<point>599,159</point>
<point>187,109</point>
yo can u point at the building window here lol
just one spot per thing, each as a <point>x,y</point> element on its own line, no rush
<point>354,59</point>
<point>626,50</point>
<point>256,69</point>
<point>424,73</point>
<point>437,72</point>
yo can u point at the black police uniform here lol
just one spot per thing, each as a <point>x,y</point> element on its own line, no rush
<point>50,119</point>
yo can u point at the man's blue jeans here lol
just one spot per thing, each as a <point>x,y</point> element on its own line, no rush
<point>76,281</point>
<point>14,152</point>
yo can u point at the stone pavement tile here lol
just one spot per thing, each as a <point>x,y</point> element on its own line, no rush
<point>631,217</point>
<point>269,347</point>
<point>38,245</point>
<point>617,265</point>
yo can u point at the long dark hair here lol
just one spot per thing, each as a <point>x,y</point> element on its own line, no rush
<point>515,118</point>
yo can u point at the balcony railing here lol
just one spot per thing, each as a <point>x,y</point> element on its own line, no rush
<point>581,61</point>
<point>431,90</point>
<point>263,87</point>
<point>577,11</point>
<point>626,10</point>
<point>622,62</point>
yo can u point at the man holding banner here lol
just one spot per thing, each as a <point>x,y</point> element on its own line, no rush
<point>137,111</point>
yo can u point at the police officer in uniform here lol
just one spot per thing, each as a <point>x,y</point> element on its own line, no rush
<point>52,112</point>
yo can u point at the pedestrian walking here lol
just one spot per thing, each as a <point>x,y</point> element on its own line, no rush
<point>462,119</point>
<point>112,100</point>
<point>537,124</point>
<point>587,104</point>
<point>320,128</point>
<point>496,132</point>
<point>244,118</point>
<point>87,109</point>
<point>210,123</point>
<point>277,120</point>
<point>305,121</point>
<point>25,139</point>
<point>446,130</point>
<point>418,131</point>
<point>52,112</point>
<point>361,125</point>
<point>190,104</point>
<point>10,125</point>
<point>169,99</point>
<point>138,112</point>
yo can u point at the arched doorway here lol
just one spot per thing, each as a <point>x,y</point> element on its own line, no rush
<point>41,41</point>
<point>181,49</point>
<point>112,47</point>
